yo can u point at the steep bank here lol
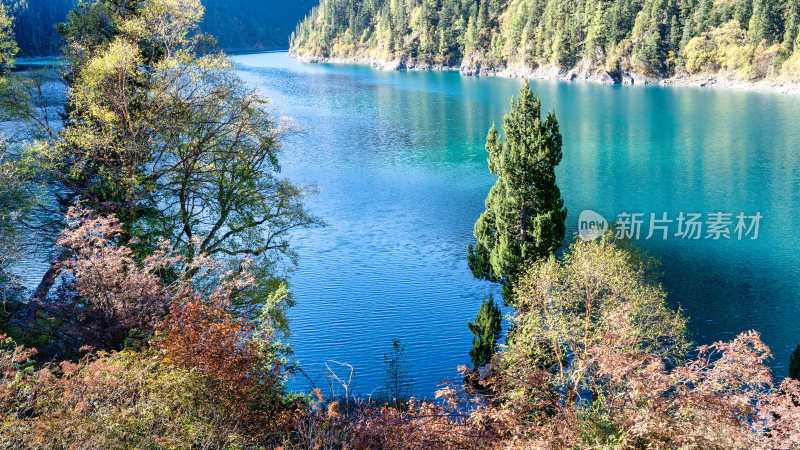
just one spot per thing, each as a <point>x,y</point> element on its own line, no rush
<point>718,80</point>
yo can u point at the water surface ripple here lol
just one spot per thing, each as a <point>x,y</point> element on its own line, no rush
<point>400,163</point>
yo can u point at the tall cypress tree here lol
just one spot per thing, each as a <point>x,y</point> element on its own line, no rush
<point>486,331</point>
<point>524,217</point>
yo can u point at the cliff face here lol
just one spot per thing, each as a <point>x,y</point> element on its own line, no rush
<point>619,41</point>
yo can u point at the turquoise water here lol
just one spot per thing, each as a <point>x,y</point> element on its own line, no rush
<point>399,161</point>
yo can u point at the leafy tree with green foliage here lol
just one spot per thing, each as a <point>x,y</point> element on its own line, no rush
<point>8,45</point>
<point>168,139</point>
<point>486,331</point>
<point>601,293</point>
<point>15,202</point>
<point>524,217</point>
<point>14,103</point>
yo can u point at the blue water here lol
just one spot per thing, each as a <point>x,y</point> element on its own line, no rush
<point>399,161</point>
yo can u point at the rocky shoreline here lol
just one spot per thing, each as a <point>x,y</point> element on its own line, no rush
<point>718,81</point>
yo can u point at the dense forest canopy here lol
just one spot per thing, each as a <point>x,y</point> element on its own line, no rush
<point>237,24</point>
<point>749,38</point>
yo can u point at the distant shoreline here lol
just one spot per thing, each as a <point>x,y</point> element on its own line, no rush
<point>717,81</point>
<point>235,52</point>
<point>27,62</point>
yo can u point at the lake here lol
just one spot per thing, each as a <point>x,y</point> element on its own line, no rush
<point>400,164</point>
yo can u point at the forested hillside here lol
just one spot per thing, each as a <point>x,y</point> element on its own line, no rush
<point>254,24</point>
<point>237,24</point>
<point>750,39</point>
<point>34,22</point>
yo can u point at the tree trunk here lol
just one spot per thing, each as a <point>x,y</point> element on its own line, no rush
<point>49,278</point>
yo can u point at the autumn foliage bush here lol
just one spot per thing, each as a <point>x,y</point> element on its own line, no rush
<point>131,399</point>
<point>118,400</point>
<point>202,375</point>
<point>204,336</point>
<point>105,292</point>
<point>453,420</point>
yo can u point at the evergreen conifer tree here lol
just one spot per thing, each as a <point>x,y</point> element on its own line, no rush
<point>524,217</point>
<point>486,331</point>
<point>762,22</point>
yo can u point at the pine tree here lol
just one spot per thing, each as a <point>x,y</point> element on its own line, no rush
<point>524,217</point>
<point>797,42</point>
<point>763,24</point>
<point>482,15</point>
<point>674,34</point>
<point>487,330</point>
<point>791,29</point>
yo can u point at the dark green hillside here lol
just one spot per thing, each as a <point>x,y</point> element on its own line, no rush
<point>237,24</point>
